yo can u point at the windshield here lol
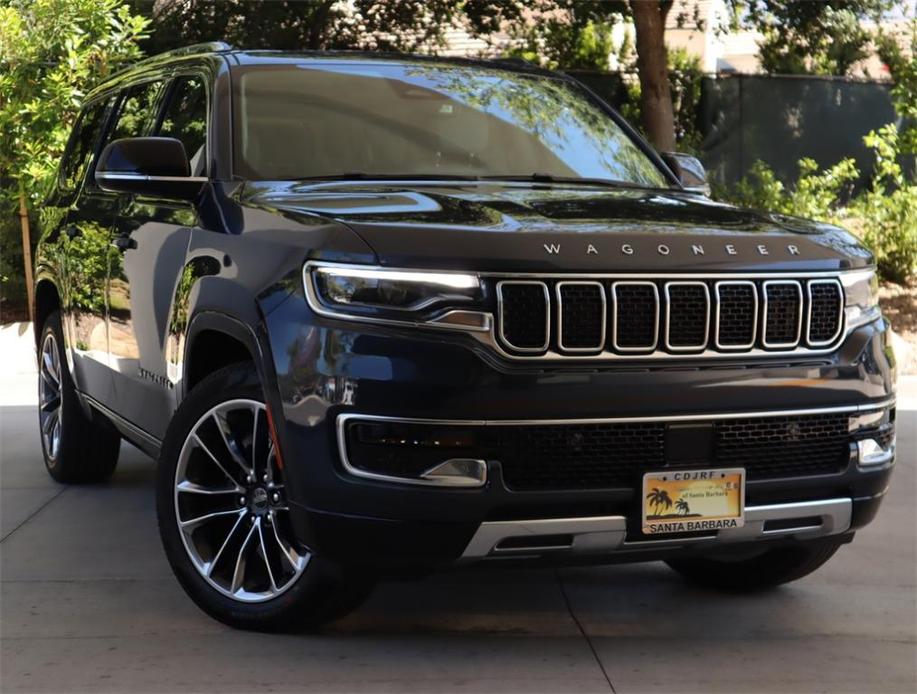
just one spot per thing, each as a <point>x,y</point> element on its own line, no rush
<point>296,121</point>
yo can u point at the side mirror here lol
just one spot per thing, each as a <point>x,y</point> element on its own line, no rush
<point>689,171</point>
<point>153,166</point>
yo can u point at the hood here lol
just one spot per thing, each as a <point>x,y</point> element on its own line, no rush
<point>562,228</point>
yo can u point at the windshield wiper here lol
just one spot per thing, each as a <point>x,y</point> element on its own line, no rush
<point>364,176</point>
<point>550,178</point>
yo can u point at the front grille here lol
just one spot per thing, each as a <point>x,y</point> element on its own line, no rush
<point>737,315</point>
<point>689,315</point>
<point>782,312</point>
<point>606,317</point>
<point>825,306</point>
<point>524,315</point>
<point>592,456</point>
<point>636,315</point>
<point>581,316</point>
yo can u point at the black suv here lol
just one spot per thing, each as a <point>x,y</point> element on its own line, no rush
<point>380,314</point>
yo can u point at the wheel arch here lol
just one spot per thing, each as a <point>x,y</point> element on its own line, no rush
<point>47,300</point>
<point>216,340</point>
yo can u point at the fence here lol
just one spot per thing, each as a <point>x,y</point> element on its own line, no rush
<point>777,119</point>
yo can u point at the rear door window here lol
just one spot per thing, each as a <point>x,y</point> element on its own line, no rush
<point>185,119</point>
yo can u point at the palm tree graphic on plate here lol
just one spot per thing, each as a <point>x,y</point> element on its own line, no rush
<point>682,507</point>
<point>659,499</point>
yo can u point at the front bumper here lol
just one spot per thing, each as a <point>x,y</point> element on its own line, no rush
<point>326,369</point>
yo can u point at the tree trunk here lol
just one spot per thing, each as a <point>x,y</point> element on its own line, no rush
<point>652,64</point>
<point>27,251</point>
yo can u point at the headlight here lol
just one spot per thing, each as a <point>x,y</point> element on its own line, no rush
<point>396,295</point>
<point>862,291</point>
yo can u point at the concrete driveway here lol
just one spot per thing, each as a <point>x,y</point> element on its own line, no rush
<point>88,603</point>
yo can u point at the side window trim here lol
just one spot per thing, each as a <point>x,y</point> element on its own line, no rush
<point>60,181</point>
<point>166,101</point>
<point>111,121</point>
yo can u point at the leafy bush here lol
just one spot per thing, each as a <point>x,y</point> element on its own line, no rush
<point>815,194</point>
<point>52,52</point>
<point>885,216</point>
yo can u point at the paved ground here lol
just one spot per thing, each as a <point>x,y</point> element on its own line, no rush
<point>87,602</point>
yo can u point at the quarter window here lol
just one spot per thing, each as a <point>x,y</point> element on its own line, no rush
<point>185,118</point>
<point>83,145</point>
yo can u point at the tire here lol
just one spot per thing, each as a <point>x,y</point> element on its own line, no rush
<point>769,569</point>
<point>76,449</point>
<point>217,458</point>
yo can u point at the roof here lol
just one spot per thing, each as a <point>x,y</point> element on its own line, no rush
<point>243,56</point>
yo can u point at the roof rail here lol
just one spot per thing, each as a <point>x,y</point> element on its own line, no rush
<point>208,47</point>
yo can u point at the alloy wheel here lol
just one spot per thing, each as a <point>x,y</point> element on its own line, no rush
<point>49,397</point>
<point>231,505</point>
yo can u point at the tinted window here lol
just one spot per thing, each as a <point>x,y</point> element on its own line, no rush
<point>135,115</point>
<point>314,120</point>
<point>82,145</point>
<point>185,118</point>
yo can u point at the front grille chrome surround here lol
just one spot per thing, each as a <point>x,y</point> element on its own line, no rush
<point>718,321</point>
<point>501,287</point>
<point>765,289</point>
<point>560,316</point>
<point>810,301</point>
<point>669,345</point>
<point>615,321</point>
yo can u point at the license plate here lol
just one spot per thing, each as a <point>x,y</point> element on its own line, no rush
<point>686,501</point>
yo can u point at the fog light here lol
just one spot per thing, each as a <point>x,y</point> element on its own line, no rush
<point>870,452</point>
<point>458,472</point>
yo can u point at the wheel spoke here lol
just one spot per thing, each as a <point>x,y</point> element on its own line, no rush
<point>48,424</point>
<point>192,488</point>
<point>203,447</point>
<point>238,576</point>
<point>235,526</point>
<point>231,445</point>
<point>51,403</point>
<point>194,522</point>
<point>293,559</point>
<point>267,564</point>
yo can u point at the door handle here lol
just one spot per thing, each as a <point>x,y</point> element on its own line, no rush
<point>72,231</point>
<point>124,243</point>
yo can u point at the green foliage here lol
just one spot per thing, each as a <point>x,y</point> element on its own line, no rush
<point>52,52</point>
<point>885,216</point>
<point>815,194</point>
<point>399,25</point>
<point>887,212</point>
<point>818,38</point>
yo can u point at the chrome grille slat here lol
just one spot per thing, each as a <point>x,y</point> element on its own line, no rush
<point>668,316</point>
<point>633,332</point>
<point>682,316</point>
<point>729,312</point>
<point>594,341</point>
<point>781,314</point>
<point>523,331</point>
<point>820,314</point>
